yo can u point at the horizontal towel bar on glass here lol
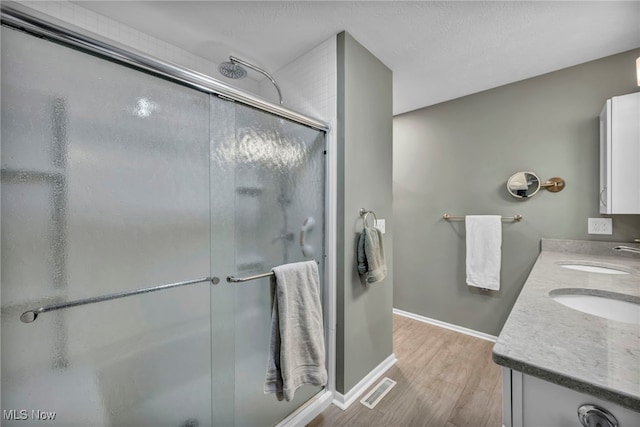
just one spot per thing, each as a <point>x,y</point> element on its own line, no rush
<point>31,315</point>
<point>232,279</point>
<point>515,218</point>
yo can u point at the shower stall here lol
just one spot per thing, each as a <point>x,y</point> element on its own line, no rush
<point>131,190</point>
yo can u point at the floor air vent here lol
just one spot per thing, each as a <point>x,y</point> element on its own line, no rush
<point>374,396</point>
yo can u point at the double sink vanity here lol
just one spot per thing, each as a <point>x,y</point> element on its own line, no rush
<point>570,349</point>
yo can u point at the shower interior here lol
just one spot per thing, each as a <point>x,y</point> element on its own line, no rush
<point>113,179</point>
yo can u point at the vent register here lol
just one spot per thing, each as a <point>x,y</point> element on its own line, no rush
<point>378,392</point>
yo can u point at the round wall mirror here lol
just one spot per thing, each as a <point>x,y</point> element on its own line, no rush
<point>523,184</point>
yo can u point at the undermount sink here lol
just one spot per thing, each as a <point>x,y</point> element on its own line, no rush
<point>610,305</point>
<point>591,267</point>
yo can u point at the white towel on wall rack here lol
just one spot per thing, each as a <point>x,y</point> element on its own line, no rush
<point>484,250</point>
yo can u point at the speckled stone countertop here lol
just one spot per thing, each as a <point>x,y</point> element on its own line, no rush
<point>586,353</point>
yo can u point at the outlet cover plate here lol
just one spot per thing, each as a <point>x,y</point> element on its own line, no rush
<point>600,226</point>
<point>380,225</point>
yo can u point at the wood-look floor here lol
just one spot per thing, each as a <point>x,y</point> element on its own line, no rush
<point>444,379</point>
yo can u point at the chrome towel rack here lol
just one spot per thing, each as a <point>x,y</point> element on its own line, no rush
<point>364,213</point>
<point>31,315</point>
<point>515,218</point>
<point>233,279</point>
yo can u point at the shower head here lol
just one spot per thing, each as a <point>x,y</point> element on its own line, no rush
<point>232,70</point>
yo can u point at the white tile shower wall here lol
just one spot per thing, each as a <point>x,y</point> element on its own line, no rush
<point>121,33</point>
<point>309,83</point>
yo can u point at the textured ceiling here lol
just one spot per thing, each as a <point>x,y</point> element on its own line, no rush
<point>437,50</point>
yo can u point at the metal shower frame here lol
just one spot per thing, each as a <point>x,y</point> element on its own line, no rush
<point>31,21</point>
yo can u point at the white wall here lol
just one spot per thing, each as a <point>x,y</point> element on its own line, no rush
<point>308,83</point>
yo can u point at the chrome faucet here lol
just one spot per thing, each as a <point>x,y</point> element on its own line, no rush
<point>627,249</point>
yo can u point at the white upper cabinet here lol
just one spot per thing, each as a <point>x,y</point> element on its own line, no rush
<point>620,155</point>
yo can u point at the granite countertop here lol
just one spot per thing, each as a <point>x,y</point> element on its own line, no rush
<point>583,352</point>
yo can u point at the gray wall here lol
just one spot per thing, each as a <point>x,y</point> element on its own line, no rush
<point>365,122</point>
<point>456,157</point>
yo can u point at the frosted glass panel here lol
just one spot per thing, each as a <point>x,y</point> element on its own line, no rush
<point>222,259</point>
<point>105,188</point>
<point>115,180</point>
<point>279,186</point>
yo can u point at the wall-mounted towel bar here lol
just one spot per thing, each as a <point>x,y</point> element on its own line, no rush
<point>31,315</point>
<point>514,218</point>
<point>364,213</point>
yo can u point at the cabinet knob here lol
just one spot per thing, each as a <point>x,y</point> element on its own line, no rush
<point>595,416</point>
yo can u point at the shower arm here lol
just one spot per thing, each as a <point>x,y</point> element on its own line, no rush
<point>261,71</point>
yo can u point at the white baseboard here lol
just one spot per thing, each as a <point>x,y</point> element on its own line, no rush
<point>446,325</point>
<point>307,412</point>
<point>343,401</point>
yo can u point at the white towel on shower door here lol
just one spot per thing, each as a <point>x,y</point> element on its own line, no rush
<point>484,250</point>
<point>296,350</point>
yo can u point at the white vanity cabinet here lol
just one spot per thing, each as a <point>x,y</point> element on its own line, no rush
<point>531,402</point>
<point>620,155</point>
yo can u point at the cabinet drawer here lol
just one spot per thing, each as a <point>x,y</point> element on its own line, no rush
<point>538,403</point>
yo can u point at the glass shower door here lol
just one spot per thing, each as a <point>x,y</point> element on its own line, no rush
<point>276,170</point>
<point>105,189</point>
<point>115,180</point>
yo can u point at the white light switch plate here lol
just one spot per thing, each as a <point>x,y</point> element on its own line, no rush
<point>380,225</point>
<point>600,226</point>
